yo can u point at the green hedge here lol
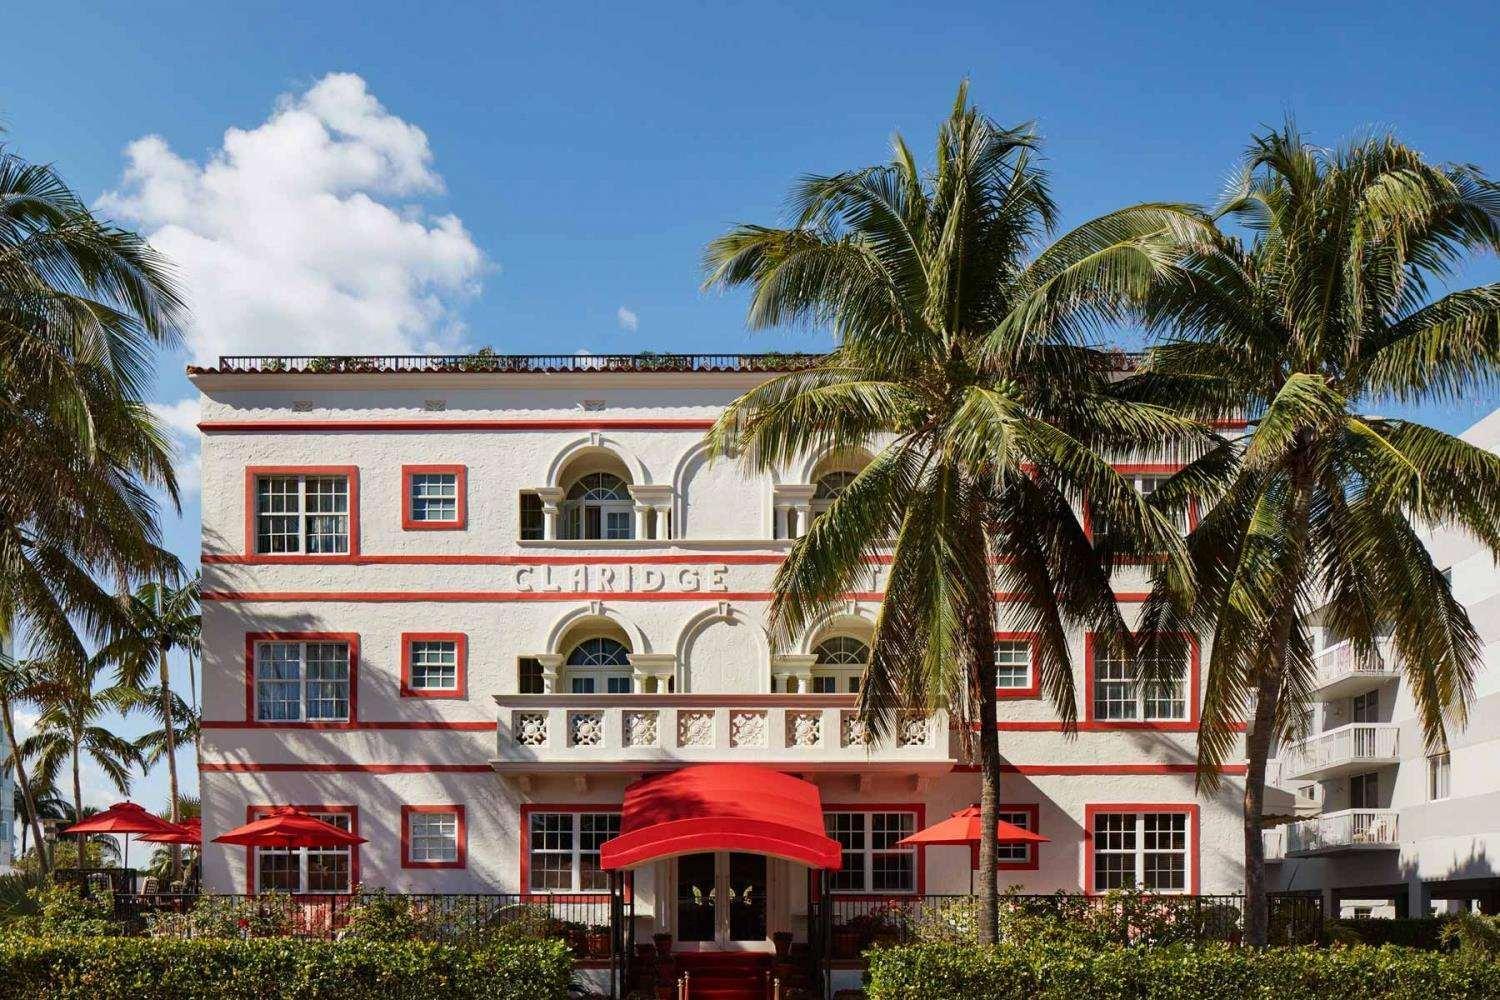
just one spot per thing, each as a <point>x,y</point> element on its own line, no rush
<point>1414,932</point>
<point>1214,972</point>
<point>276,968</point>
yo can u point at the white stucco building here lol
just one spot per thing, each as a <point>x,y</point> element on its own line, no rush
<point>1389,828</point>
<point>462,611</point>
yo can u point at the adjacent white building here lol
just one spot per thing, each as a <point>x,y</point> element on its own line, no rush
<point>461,612</point>
<point>1389,828</point>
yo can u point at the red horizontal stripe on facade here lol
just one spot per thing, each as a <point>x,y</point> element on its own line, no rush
<point>721,559</point>
<point>618,424</point>
<point>509,596</point>
<point>452,727</point>
<point>246,767</point>
<point>1061,770</point>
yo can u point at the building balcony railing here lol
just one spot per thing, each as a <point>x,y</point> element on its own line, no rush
<point>1340,673</point>
<point>580,733</point>
<point>1344,750</point>
<point>1337,832</point>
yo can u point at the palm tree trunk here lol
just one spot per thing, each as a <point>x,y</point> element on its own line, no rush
<point>1258,750</point>
<point>979,640</point>
<point>33,820</point>
<point>1268,697</point>
<point>170,740</point>
<point>83,838</point>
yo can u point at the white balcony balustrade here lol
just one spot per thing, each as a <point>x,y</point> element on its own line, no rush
<point>1340,672</point>
<point>1344,750</point>
<point>583,733</point>
<point>1344,831</point>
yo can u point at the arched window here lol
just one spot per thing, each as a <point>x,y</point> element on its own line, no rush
<point>840,665</point>
<point>599,505</point>
<point>600,664</point>
<point>833,484</point>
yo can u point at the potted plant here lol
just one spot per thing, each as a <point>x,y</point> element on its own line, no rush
<point>783,942</point>
<point>576,935</point>
<point>848,938</point>
<point>663,944</point>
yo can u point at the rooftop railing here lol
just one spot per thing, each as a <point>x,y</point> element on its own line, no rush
<point>362,364</point>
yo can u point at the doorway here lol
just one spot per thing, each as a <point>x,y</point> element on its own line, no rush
<point>721,901</point>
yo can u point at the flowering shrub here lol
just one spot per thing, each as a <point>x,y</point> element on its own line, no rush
<point>63,911</point>
<point>268,915</point>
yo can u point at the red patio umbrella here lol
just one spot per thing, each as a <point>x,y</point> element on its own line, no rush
<point>189,832</point>
<point>289,827</point>
<point>962,829</point>
<point>125,818</point>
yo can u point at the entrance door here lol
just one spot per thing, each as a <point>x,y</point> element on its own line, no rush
<point>721,901</point>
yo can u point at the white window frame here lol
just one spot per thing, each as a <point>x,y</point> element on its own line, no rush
<point>871,823</point>
<point>574,851</point>
<point>1140,850</point>
<point>1146,483</point>
<point>837,677</point>
<point>421,843</point>
<point>1028,678</point>
<point>418,500</point>
<point>302,681</point>
<point>303,519</point>
<point>304,855</point>
<point>600,678</point>
<point>1439,777</point>
<point>575,514</point>
<point>1015,854</point>
<point>416,679</point>
<point>1116,688</point>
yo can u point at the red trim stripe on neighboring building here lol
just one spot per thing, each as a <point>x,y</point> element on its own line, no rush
<point>315,426</point>
<point>1041,770</point>
<point>508,596</point>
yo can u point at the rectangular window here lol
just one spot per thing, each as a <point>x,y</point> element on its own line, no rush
<point>1120,696</point>
<point>529,676</point>
<point>434,497</point>
<point>1017,856</point>
<point>825,685</point>
<point>1366,707</point>
<point>302,681</point>
<point>872,861</point>
<point>533,518</point>
<point>1141,850</point>
<point>432,836</point>
<point>310,870</point>
<point>434,665</point>
<point>563,850</point>
<point>1013,665</point>
<point>306,514</point>
<point>1439,776</point>
<point>1146,483</point>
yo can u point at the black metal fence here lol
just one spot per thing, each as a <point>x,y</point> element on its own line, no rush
<point>490,362</point>
<point>855,924</point>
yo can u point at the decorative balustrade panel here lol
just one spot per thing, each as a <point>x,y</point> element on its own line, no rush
<point>582,730</point>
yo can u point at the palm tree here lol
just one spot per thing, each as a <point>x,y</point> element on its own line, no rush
<point>162,619</point>
<point>72,726</point>
<point>1328,311</point>
<point>965,359</point>
<point>49,806</point>
<point>17,683</point>
<point>83,307</point>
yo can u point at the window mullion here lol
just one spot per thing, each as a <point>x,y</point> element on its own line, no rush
<point>1140,850</point>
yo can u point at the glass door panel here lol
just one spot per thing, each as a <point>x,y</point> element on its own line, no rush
<point>697,898</point>
<point>746,893</point>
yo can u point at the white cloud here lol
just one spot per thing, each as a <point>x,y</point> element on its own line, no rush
<point>629,321</point>
<point>181,420</point>
<point>300,235</point>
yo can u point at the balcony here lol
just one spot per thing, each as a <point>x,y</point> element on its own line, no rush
<point>1358,746</point>
<point>1340,673</point>
<point>590,733</point>
<point>1342,832</point>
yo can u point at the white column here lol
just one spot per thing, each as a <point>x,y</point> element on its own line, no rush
<point>802,520</point>
<point>551,668</point>
<point>641,510</point>
<point>551,498</point>
<point>663,522</point>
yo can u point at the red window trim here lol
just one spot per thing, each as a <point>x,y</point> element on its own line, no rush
<point>525,837</point>
<point>461,494</point>
<point>462,860</point>
<point>919,821</point>
<point>253,472</point>
<point>1093,809</point>
<point>1144,469</point>
<point>1188,725</point>
<point>461,676</point>
<point>351,638</point>
<point>1032,690</point>
<point>252,812</point>
<point>1034,810</point>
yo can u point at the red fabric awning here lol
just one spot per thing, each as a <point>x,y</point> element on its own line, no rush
<point>963,828</point>
<point>721,807</point>
<point>189,831</point>
<point>289,828</point>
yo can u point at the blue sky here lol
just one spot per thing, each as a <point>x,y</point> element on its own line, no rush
<point>543,178</point>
